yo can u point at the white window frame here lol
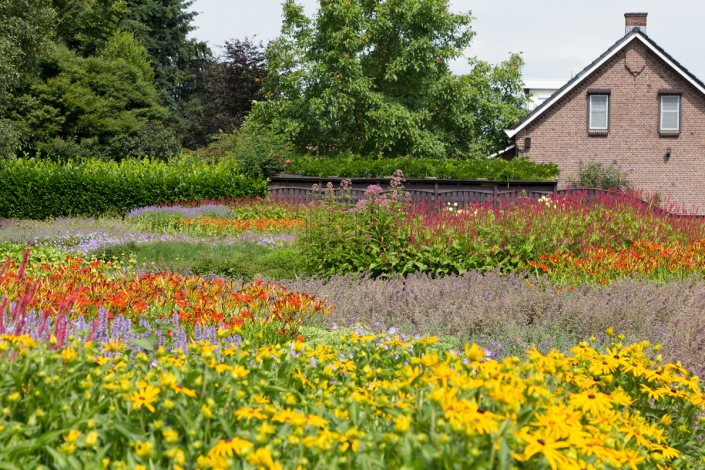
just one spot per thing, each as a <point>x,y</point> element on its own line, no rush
<point>607,112</point>
<point>662,112</point>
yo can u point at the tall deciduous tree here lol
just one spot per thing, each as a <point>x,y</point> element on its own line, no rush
<point>373,77</point>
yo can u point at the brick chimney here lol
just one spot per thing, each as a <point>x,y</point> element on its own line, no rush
<point>635,20</point>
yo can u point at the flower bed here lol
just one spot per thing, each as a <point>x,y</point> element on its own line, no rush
<point>211,226</point>
<point>643,259</point>
<point>370,402</point>
<point>213,218</point>
<point>387,236</point>
<point>72,288</point>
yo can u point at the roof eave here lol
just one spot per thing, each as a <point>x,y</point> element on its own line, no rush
<point>587,71</point>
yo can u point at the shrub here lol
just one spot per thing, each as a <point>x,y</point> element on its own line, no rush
<point>593,175</point>
<point>93,106</point>
<point>221,145</point>
<point>353,166</point>
<point>278,264</point>
<point>41,189</point>
<point>261,152</point>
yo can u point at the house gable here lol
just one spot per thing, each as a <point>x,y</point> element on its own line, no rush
<point>618,48</point>
<point>634,71</point>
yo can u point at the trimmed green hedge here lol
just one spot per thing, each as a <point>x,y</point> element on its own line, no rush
<point>491,169</point>
<point>42,189</point>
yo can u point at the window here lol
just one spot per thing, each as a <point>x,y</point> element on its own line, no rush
<point>599,112</point>
<point>670,113</point>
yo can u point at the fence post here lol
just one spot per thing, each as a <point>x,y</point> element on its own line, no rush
<point>495,200</point>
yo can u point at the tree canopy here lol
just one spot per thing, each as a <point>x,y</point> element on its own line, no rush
<point>373,77</point>
<point>85,26</point>
<point>88,106</point>
<point>163,27</point>
<point>227,85</point>
<point>24,29</point>
<point>98,77</point>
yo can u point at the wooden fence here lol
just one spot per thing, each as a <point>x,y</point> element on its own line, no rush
<point>298,190</point>
<point>442,193</point>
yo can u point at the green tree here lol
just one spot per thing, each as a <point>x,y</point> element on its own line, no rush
<point>124,45</point>
<point>163,27</point>
<point>372,77</point>
<point>24,29</point>
<point>495,95</point>
<point>95,106</point>
<point>86,25</point>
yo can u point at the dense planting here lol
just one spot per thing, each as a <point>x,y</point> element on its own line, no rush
<point>41,189</point>
<point>370,402</point>
<point>386,234</point>
<point>510,313</point>
<point>168,369</point>
<point>72,288</point>
<point>491,169</point>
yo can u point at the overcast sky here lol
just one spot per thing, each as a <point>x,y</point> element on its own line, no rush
<point>555,36</point>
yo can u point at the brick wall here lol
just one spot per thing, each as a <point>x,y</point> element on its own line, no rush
<point>560,134</point>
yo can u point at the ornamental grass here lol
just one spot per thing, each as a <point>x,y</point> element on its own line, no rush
<point>385,401</point>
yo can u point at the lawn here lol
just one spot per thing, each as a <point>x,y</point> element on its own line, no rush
<point>563,333</point>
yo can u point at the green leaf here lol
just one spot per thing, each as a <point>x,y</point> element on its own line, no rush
<point>144,344</point>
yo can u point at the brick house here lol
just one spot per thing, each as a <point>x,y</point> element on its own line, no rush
<point>634,105</point>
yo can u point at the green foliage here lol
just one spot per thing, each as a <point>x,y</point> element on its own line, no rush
<point>38,254</point>
<point>88,107</point>
<point>153,140</point>
<point>238,261</point>
<point>221,145</point>
<point>164,27</point>
<point>10,139</point>
<point>260,152</point>
<point>497,99</point>
<point>24,30</point>
<point>40,189</point>
<point>100,78</point>
<point>85,26</point>
<point>593,175</point>
<point>372,77</point>
<point>284,263</point>
<point>123,45</point>
<point>256,209</point>
<point>348,165</point>
<point>563,235</point>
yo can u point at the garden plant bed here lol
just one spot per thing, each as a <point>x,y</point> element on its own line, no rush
<point>256,334</point>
